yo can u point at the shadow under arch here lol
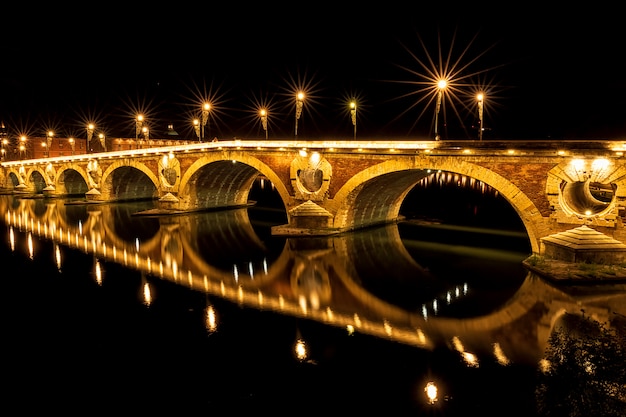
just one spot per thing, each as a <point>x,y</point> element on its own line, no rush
<point>214,181</point>
<point>376,194</point>
<point>122,182</point>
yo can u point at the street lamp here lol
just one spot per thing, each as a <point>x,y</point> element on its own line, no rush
<point>72,144</point>
<point>480,98</point>
<point>49,142</point>
<point>441,85</point>
<point>5,142</point>
<point>146,132</point>
<point>90,129</point>
<point>138,125</point>
<point>205,119</point>
<point>263,115</point>
<point>103,141</point>
<point>299,104</point>
<point>22,146</point>
<point>353,116</point>
<point>196,127</point>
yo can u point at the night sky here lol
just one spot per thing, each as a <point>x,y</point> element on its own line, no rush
<point>547,74</point>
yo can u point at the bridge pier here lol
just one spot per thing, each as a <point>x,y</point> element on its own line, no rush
<point>307,219</point>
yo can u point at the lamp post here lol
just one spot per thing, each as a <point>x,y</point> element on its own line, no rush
<point>146,132</point>
<point>5,142</point>
<point>480,97</point>
<point>441,85</point>
<point>263,115</point>
<point>353,116</point>
<point>72,144</point>
<point>49,142</point>
<point>22,146</point>
<point>138,126</point>
<point>90,129</point>
<point>196,127</point>
<point>299,104</point>
<point>103,141</point>
<point>206,107</point>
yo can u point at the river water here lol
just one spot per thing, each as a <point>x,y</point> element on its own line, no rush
<point>207,313</point>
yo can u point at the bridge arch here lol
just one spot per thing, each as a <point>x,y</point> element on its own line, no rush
<point>216,181</point>
<point>375,195</point>
<point>71,179</point>
<point>123,180</point>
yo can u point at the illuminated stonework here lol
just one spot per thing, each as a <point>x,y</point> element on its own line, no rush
<point>585,190</point>
<point>310,176</point>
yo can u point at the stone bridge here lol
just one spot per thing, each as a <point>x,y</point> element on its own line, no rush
<point>323,279</point>
<point>332,187</point>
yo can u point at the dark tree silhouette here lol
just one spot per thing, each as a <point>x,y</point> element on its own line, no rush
<point>585,372</point>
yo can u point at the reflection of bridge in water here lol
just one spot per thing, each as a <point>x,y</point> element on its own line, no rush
<point>327,279</point>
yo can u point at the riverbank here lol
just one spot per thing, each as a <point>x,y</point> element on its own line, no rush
<point>575,272</point>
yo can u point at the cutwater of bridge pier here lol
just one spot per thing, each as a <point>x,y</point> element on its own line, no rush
<point>329,187</point>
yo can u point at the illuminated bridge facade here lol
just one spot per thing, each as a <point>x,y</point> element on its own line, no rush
<point>330,187</point>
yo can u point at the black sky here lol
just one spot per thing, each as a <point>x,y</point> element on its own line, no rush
<point>552,73</point>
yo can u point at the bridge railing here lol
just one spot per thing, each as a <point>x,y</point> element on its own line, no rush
<point>554,148</point>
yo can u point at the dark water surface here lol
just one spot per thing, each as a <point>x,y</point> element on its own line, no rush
<point>79,341</point>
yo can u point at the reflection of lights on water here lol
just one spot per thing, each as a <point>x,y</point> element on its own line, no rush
<point>329,313</point>
<point>98,272</point>
<point>12,239</point>
<point>388,328</point>
<point>147,294</point>
<point>57,256</point>
<point>300,350</point>
<point>499,354</point>
<point>303,304</point>
<point>350,329</point>
<point>251,270</point>
<point>421,336</point>
<point>31,253</point>
<point>235,273</point>
<point>137,244</point>
<point>357,320</point>
<point>544,365</point>
<point>431,392</point>
<point>211,319</point>
<point>449,297</point>
<point>469,358</point>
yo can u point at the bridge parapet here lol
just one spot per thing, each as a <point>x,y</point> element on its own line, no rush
<point>329,187</point>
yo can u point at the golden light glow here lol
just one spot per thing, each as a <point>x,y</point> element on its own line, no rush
<point>147,294</point>
<point>211,319</point>
<point>300,350</point>
<point>431,392</point>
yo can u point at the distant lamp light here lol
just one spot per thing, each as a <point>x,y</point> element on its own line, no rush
<point>49,142</point>
<point>206,107</point>
<point>480,97</point>
<point>196,127</point>
<point>90,129</point>
<point>441,86</point>
<point>263,116</point>
<point>103,142</point>
<point>299,105</point>
<point>138,125</point>
<point>353,116</point>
